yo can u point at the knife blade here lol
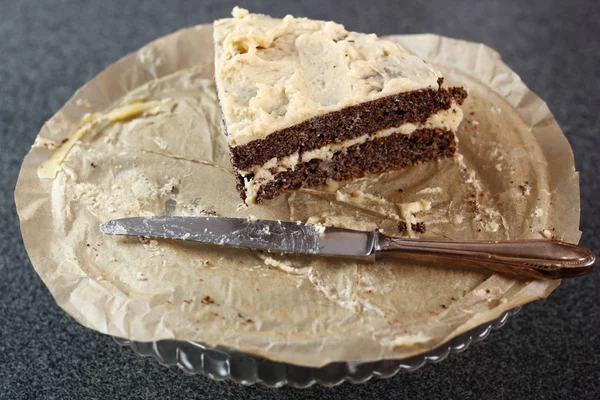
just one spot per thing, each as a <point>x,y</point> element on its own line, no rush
<point>540,259</point>
<point>273,236</point>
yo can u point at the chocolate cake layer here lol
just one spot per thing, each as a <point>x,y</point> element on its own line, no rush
<point>348,123</point>
<point>372,157</point>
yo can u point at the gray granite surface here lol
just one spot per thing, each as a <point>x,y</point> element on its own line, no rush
<point>551,350</point>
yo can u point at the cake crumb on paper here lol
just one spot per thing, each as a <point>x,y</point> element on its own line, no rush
<point>141,277</point>
<point>320,229</point>
<point>526,189</point>
<point>430,190</point>
<point>161,143</point>
<point>409,340</point>
<point>546,233</point>
<point>284,266</point>
<point>332,185</point>
<point>408,209</point>
<point>81,102</point>
<point>41,142</point>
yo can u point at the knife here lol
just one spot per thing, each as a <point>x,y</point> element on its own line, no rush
<point>539,259</point>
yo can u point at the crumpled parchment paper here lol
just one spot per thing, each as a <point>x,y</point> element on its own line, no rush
<point>515,178</point>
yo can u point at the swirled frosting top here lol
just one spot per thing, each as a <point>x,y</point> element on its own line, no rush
<point>275,73</point>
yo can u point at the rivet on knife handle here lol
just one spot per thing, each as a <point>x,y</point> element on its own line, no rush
<point>539,259</point>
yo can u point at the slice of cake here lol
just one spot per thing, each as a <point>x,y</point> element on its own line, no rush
<point>305,102</point>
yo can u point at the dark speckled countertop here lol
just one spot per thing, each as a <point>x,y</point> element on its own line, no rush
<point>551,350</point>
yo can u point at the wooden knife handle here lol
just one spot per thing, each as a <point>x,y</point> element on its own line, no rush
<point>539,259</point>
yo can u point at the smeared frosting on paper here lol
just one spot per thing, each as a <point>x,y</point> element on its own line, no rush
<point>307,311</point>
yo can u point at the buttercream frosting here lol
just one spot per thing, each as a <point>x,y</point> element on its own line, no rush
<point>275,73</point>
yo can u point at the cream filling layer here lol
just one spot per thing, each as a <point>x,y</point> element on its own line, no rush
<point>447,119</point>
